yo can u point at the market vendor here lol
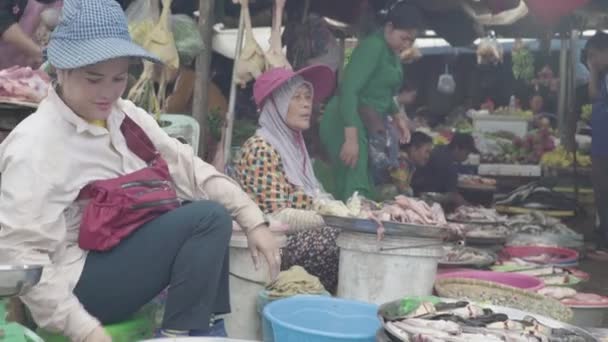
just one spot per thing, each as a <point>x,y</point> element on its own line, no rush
<point>440,175</point>
<point>357,119</point>
<point>276,170</point>
<point>548,84</point>
<point>19,21</point>
<point>542,119</point>
<point>413,155</point>
<point>106,256</point>
<point>597,61</point>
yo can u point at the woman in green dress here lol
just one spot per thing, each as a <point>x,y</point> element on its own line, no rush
<point>363,107</point>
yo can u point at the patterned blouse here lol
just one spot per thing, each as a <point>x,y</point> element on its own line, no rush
<point>260,172</point>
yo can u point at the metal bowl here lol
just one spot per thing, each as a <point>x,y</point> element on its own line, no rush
<point>18,279</point>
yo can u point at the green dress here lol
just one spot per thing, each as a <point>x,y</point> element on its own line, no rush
<point>371,78</point>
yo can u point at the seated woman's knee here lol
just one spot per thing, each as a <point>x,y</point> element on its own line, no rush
<point>217,213</point>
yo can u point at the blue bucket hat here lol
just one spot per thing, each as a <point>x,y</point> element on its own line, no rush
<point>89,32</point>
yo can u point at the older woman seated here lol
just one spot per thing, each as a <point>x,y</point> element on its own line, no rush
<point>276,170</point>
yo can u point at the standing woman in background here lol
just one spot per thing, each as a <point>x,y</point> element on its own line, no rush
<point>358,114</point>
<point>19,22</point>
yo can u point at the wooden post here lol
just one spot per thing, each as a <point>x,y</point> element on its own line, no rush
<point>203,73</point>
<point>229,126</point>
<point>563,85</point>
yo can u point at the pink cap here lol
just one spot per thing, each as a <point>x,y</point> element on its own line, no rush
<point>320,76</point>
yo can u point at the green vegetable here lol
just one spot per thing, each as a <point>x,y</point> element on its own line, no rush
<point>586,113</point>
<point>215,122</point>
<point>523,64</point>
<point>411,304</point>
<point>188,40</point>
<point>347,53</point>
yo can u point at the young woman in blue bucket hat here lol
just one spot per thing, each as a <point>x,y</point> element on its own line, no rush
<point>76,197</point>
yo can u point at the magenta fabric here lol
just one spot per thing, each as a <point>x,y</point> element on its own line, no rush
<point>320,76</point>
<point>119,206</point>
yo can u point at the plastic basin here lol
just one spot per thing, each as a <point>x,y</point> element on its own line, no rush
<point>556,255</point>
<point>520,281</point>
<point>320,319</point>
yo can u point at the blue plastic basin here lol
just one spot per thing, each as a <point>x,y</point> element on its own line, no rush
<point>320,319</point>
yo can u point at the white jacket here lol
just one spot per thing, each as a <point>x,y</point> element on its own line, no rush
<point>44,163</point>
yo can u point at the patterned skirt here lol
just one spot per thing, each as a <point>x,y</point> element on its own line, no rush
<point>316,251</point>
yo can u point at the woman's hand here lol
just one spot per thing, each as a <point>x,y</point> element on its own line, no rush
<point>403,126</point>
<point>350,149</point>
<point>98,335</point>
<point>261,240</point>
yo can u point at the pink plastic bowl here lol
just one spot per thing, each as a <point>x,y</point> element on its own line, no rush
<point>557,255</point>
<point>521,281</point>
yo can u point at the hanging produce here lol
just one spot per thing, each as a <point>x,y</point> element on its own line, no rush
<point>250,64</point>
<point>188,40</point>
<point>489,51</point>
<point>275,58</point>
<point>143,94</point>
<point>410,55</point>
<point>142,15</point>
<point>159,41</point>
<point>523,62</point>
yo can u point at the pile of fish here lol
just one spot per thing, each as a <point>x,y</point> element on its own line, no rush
<point>476,214</point>
<point>468,322</point>
<point>536,228</point>
<point>461,255</point>
<point>536,197</point>
<point>537,223</point>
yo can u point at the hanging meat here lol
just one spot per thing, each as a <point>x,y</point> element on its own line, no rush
<point>250,63</point>
<point>274,56</point>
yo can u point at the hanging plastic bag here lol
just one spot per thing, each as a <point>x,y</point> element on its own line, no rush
<point>188,40</point>
<point>142,16</point>
<point>446,84</point>
<point>489,51</point>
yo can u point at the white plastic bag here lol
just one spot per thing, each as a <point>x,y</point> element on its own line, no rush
<point>142,16</point>
<point>446,84</point>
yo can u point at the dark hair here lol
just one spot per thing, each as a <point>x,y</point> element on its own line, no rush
<point>402,15</point>
<point>408,86</point>
<point>463,141</point>
<point>533,95</point>
<point>598,42</point>
<point>418,140</point>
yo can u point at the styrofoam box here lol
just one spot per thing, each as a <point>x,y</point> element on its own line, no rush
<point>497,123</point>
<point>510,170</point>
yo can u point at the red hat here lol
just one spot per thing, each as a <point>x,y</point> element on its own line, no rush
<point>320,76</point>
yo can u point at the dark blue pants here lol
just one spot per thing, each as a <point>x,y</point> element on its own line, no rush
<point>185,249</point>
<point>599,176</point>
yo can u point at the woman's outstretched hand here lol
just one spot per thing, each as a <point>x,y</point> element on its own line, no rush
<point>349,153</point>
<point>261,240</point>
<point>98,335</point>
